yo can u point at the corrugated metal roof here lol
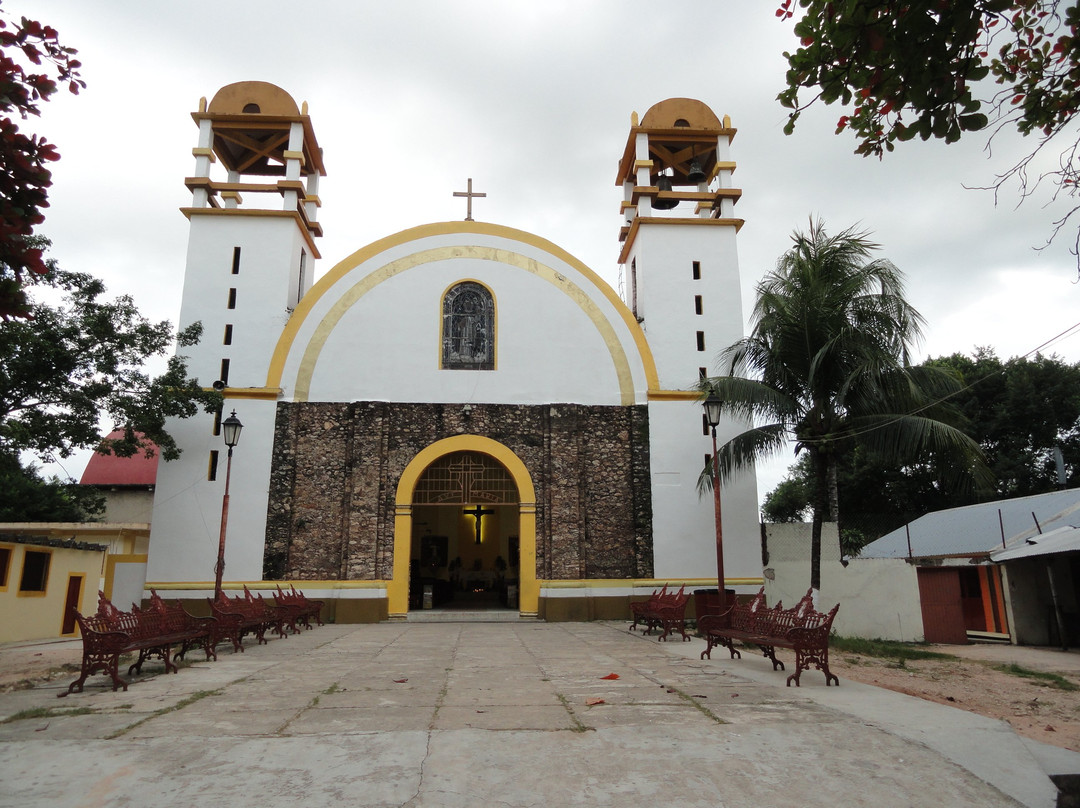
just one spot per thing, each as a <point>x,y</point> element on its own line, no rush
<point>1065,539</point>
<point>978,529</point>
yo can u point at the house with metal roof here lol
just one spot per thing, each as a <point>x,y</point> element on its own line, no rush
<point>984,574</point>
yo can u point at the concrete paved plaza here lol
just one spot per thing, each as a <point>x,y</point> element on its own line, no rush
<point>502,714</point>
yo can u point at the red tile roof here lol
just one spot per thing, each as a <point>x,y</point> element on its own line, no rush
<point>112,470</point>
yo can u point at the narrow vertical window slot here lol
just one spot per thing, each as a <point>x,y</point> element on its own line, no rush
<point>211,471</point>
<point>300,281</point>
<point>701,340</point>
<point>698,309</point>
<point>235,260</point>
<point>697,270</point>
<point>224,371</point>
<point>232,298</point>
<point>228,335</point>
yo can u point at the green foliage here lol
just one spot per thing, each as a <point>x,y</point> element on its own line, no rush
<point>24,179</point>
<point>1016,410</point>
<point>26,497</point>
<point>82,359</point>
<point>826,364</point>
<point>935,69</point>
<point>1038,677</point>
<point>46,712</point>
<point>790,501</point>
<point>883,649</point>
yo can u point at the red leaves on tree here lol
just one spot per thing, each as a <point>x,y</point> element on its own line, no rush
<point>24,179</point>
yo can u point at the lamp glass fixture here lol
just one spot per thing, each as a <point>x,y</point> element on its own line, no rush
<point>230,428</point>
<point>712,405</point>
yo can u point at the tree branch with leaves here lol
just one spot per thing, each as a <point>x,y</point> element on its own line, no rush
<point>33,65</point>
<point>942,68</point>
<point>70,364</point>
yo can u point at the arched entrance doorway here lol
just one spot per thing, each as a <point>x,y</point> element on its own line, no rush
<point>465,499</point>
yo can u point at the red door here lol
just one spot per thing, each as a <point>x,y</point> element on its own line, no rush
<point>942,606</point>
<point>71,603</point>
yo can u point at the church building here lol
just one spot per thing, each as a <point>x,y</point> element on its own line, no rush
<point>461,414</point>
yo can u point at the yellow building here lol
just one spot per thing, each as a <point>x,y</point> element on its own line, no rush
<point>43,578</point>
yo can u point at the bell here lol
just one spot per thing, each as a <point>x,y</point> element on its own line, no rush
<point>663,182</point>
<point>696,175</point>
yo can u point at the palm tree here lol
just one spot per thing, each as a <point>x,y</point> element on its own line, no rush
<point>826,365</point>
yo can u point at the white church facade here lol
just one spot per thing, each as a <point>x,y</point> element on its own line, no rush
<point>461,412</point>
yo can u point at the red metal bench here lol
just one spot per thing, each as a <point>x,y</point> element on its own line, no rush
<point>663,609</point>
<point>639,608</point>
<point>110,633</point>
<point>237,617</point>
<point>801,628</point>
<point>304,608</point>
<point>193,632</point>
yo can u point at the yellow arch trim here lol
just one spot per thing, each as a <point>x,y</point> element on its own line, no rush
<point>285,343</point>
<point>397,590</point>
<point>329,322</point>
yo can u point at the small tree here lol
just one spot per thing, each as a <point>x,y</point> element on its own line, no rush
<point>71,364</point>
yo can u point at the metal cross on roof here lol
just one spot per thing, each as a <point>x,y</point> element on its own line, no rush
<point>469,197</point>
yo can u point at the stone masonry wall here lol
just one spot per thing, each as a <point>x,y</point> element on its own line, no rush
<point>336,469</point>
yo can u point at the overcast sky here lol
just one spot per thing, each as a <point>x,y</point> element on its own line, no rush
<point>533,101</point>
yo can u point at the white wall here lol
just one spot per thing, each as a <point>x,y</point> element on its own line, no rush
<point>665,255</point>
<point>129,506</point>
<point>878,597</point>
<point>127,584</point>
<point>187,506</point>
<point>684,522</point>
<point>561,333</point>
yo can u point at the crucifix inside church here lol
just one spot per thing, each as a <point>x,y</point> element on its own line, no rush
<point>469,194</point>
<point>478,514</point>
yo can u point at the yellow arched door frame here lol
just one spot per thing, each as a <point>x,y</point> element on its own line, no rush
<point>397,590</point>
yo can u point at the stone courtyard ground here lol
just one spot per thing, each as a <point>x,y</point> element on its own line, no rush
<point>1037,708</point>
<point>517,714</point>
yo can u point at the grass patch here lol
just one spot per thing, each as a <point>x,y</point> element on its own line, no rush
<point>198,695</point>
<point>334,688</point>
<point>45,712</point>
<point>1038,677</point>
<point>884,649</point>
<point>578,726</point>
<point>697,705</point>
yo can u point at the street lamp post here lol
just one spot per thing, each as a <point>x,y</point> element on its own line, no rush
<point>712,407</point>
<point>230,429</point>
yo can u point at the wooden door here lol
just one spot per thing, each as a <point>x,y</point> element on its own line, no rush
<point>71,603</point>
<point>942,606</point>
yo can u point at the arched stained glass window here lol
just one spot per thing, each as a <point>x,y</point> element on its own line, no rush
<point>468,328</point>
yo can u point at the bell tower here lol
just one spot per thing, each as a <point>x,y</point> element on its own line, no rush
<point>680,272</point>
<point>679,263</point>
<point>251,247</point>
<point>253,225</point>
